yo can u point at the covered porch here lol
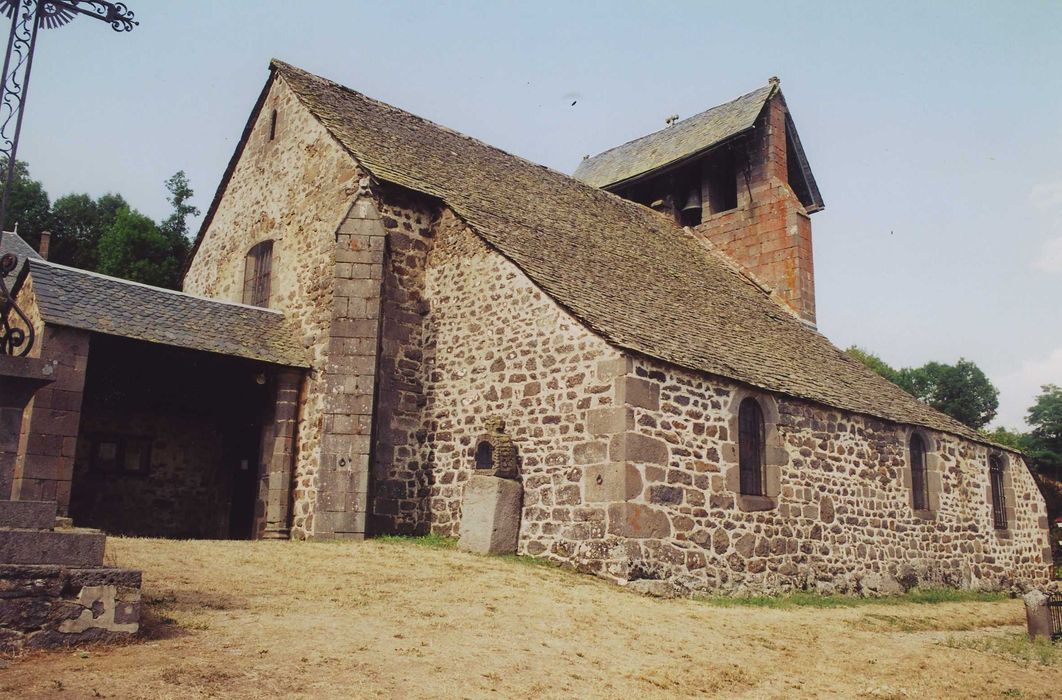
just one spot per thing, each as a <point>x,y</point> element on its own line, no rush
<point>169,415</point>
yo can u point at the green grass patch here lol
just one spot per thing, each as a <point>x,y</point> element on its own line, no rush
<point>430,541</point>
<point>805,599</point>
<point>1016,647</point>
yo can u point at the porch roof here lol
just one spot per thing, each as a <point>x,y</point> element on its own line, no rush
<point>74,298</point>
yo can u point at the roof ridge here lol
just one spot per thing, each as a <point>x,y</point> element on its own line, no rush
<point>284,66</point>
<point>595,191</point>
<point>770,87</point>
<point>177,292</point>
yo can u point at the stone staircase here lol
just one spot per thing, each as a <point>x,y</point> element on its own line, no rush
<point>54,587</point>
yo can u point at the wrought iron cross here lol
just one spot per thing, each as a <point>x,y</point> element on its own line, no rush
<point>27,17</point>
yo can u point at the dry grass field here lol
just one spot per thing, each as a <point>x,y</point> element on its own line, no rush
<point>404,620</point>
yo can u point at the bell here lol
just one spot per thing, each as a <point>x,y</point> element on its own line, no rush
<point>693,201</point>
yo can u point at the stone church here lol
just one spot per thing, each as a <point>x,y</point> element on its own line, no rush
<point>378,308</point>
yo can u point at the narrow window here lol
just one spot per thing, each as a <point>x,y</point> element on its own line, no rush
<point>273,125</point>
<point>484,455</point>
<point>751,447</point>
<point>258,268</point>
<point>999,502</point>
<point>919,477</point>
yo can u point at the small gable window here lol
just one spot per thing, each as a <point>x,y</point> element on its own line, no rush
<point>999,498</point>
<point>257,270</point>
<point>751,447</point>
<point>273,125</point>
<point>919,473</point>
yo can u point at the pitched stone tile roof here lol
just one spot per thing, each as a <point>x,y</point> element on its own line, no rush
<point>11,242</point>
<point>76,298</point>
<point>628,273</point>
<point>676,142</point>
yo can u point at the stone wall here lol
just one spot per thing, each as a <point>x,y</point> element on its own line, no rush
<point>468,337</point>
<point>186,491</point>
<point>48,606</point>
<point>629,465</point>
<point>841,516</point>
<point>296,190</point>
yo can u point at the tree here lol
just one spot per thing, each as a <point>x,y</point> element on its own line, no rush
<point>1044,441</point>
<point>134,248</point>
<point>961,390</point>
<point>180,192</point>
<point>28,206</point>
<point>77,224</point>
<point>1007,437</point>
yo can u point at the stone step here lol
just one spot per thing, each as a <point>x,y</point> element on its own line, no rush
<point>63,547</point>
<point>31,515</point>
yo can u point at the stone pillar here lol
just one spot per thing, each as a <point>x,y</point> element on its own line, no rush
<point>278,459</point>
<point>44,467</point>
<point>20,378</point>
<point>490,515</point>
<point>350,374</point>
<point>1037,615</point>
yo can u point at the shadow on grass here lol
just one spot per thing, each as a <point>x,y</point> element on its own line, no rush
<point>440,542</point>
<point>1016,647</point>
<point>803,599</point>
<point>430,541</point>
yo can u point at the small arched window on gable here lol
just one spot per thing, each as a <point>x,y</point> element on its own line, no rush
<point>273,125</point>
<point>751,444</point>
<point>919,473</point>
<point>257,271</point>
<point>999,498</point>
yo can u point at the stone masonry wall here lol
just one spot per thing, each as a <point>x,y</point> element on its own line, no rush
<point>843,518</point>
<point>295,190</point>
<point>479,340</point>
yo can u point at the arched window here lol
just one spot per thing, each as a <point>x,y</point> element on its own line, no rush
<point>257,269</point>
<point>751,447</point>
<point>273,125</point>
<point>999,498</point>
<point>919,474</point>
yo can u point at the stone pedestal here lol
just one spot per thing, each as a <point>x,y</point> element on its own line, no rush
<point>54,588</point>
<point>1037,615</point>
<point>490,515</point>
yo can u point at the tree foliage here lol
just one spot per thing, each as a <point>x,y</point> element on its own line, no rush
<point>78,223</point>
<point>961,390</point>
<point>106,234</point>
<point>1044,441</point>
<point>28,206</point>
<point>180,193</point>
<point>135,248</point>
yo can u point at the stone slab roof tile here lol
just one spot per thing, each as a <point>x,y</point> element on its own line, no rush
<point>76,298</point>
<point>11,242</point>
<point>675,142</point>
<point>628,273</point>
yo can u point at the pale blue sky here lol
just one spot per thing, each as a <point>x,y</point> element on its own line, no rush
<point>934,128</point>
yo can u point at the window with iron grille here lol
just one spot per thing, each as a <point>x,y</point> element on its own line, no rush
<point>751,447</point>
<point>999,502</point>
<point>919,475</point>
<point>257,270</point>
